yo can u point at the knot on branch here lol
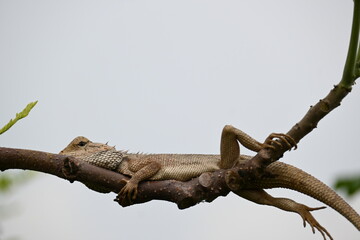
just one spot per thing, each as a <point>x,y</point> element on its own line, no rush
<point>233,180</point>
<point>70,168</point>
<point>205,188</point>
<point>205,180</point>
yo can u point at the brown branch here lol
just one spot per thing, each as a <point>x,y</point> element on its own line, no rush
<point>324,106</point>
<point>299,130</point>
<point>317,112</point>
<point>207,187</point>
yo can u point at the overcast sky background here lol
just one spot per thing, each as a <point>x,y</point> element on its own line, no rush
<point>166,76</point>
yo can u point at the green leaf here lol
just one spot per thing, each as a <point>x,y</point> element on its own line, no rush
<point>350,185</point>
<point>5,183</point>
<point>18,116</point>
<point>9,180</point>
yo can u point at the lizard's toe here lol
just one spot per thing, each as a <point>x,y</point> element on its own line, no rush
<point>308,218</point>
<point>128,193</point>
<point>285,139</point>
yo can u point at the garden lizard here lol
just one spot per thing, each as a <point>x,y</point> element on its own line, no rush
<point>183,167</point>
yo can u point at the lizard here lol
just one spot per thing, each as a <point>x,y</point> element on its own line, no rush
<point>183,167</point>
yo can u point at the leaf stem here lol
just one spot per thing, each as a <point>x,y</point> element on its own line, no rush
<point>18,116</point>
<point>351,69</point>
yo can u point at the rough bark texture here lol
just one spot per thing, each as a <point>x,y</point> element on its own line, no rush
<point>207,187</point>
<point>300,129</point>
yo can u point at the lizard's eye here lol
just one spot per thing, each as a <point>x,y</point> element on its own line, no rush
<point>82,144</point>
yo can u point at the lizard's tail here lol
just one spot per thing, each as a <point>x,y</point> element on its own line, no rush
<point>287,176</point>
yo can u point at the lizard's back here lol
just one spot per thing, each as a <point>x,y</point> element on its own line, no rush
<point>180,167</point>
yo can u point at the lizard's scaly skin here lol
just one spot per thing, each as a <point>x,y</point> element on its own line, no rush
<point>109,159</point>
<point>181,167</point>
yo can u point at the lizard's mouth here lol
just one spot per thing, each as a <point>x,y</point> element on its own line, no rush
<point>96,147</point>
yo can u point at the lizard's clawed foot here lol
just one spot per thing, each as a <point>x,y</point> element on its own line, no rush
<point>270,141</point>
<point>304,212</point>
<point>128,193</point>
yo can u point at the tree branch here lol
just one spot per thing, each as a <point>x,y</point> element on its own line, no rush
<point>207,187</point>
<point>324,106</point>
<point>351,67</point>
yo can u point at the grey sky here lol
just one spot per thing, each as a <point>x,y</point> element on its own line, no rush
<point>166,76</point>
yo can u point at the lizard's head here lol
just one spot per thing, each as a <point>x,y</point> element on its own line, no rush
<point>81,147</point>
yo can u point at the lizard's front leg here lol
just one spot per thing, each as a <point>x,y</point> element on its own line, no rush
<point>259,196</point>
<point>230,150</point>
<point>229,146</point>
<point>143,169</point>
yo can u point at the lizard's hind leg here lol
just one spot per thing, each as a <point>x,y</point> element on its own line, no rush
<point>259,196</point>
